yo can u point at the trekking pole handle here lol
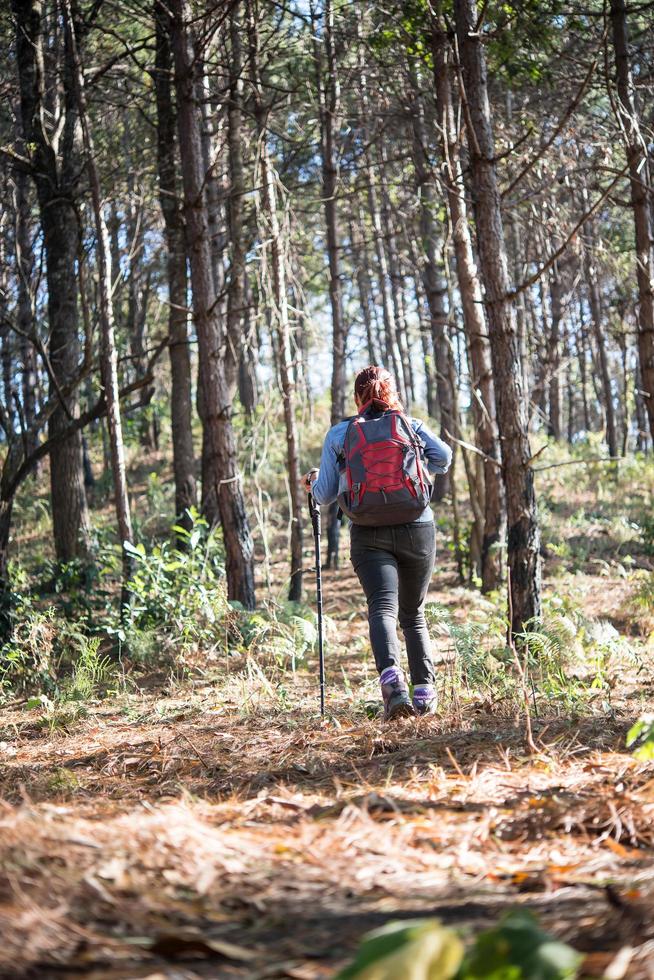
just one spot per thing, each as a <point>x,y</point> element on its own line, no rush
<point>314,510</point>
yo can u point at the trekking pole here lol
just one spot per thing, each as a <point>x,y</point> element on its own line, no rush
<point>314,510</point>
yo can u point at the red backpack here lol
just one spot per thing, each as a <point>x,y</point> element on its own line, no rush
<point>383,476</point>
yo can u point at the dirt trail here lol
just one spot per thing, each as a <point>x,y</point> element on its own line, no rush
<point>193,831</point>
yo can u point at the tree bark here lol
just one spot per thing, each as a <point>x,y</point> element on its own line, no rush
<point>640,188</point>
<point>554,428</point>
<point>25,304</point>
<point>328,107</point>
<point>395,278</point>
<point>56,175</point>
<point>390,328</point>
<point>360,262</point>
<point>108,354</point>
<point>595,304</point>
<point>277,236</point>
<point>523,532</point>
<point>181,408</point>
<point>483,389</point>
<point>213,378</point>
<point>426,337</point>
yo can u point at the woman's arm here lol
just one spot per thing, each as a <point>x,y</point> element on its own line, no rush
<point>437,453</point>
<point>325,486</point>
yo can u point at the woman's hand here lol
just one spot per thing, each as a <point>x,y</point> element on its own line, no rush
<point>310,478</point>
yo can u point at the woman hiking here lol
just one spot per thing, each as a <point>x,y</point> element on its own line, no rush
<point>376,465</point>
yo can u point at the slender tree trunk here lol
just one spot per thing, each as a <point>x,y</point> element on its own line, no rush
<point>216,390</point>
<point>215,213</point>
<point>362,272</point>
<point>25,305</point>
<point>581,345</point>
<point>641,413</point>
<point>56,176</point>
<point>213,147</point>
<point>570,386</point>
<point>328,99</point>
<point>624,353</point>
<point>639,181</point>
<point>474,320</point>
<point>238,303</point>
<point>394,276</point>
<point>554,354</point>
<point>523,533</point>
<point>595,303</point>
<point>277,236</point>
<point>426,337</point>
<point>6,592</point>
<point>390,328</point>
<point>248,385</point>
<point>108,355</point>
<point>432,265</point>
<point>181,408</point>
<point>6,340</point>
<point>138,286</point>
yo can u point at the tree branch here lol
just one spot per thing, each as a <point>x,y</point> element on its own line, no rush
<point>559,252</point>
<point>561,123</point>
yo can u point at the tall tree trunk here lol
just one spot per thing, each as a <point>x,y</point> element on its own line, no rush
<point>595,303</point>
<point>213,379</point>
<point>6,339</point>
<point>6,508</point>
<point>362,271</point>
<point>328,98</point>
<point>426,337</point>
<point>108,355</point>
<point>554,353</point>
<point>138,285</point>
<point>473,318</point>
<point>641,413</point>
<point>391,355</point>
<point>432,267</point>
<point>25,305</point>
<point>639,181</point>
<point>181,409</point>
<point>215,212</point>
<point>581,344</point>
<point>56,176</point>
<point>277,235</point>
<point>248,385</point>
<point>213,152</point>
<point>395,278</point>
<point>523,533</point>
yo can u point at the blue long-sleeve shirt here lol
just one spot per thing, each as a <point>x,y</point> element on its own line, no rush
<point>438,456</point>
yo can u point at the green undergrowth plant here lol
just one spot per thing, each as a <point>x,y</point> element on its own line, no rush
<point>281,633</point>
<point>569,659</point>
<point>92,675</point>
<point>643,598</point>
<point>517,948</point>
<point>640,738</point>
<point>178,595</point>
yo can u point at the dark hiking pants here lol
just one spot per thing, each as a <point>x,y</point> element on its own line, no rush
<point>394,566</point>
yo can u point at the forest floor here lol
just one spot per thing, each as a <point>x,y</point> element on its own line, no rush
<point>197,828</point>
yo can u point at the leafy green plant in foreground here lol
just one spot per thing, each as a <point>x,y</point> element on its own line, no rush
<point>641,735</point>
<point>423,949</point>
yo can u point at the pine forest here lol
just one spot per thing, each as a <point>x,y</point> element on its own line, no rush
<point>327,489</point>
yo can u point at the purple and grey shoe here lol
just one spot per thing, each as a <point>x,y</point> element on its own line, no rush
<point>397,703</point>
<point>425,701</point>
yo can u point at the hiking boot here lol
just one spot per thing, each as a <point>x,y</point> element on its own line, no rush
<point>397,703</point>
<point>425,701</point>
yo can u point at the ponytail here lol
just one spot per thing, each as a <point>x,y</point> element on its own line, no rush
<point>374,386</point>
